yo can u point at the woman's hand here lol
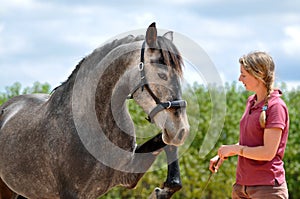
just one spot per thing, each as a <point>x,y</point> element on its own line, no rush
<point>226,151</point>
<point>215,163</point>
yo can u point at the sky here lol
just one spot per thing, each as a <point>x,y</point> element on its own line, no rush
<point>44,40</point>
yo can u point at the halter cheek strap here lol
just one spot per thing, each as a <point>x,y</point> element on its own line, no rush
<point>144,84</point>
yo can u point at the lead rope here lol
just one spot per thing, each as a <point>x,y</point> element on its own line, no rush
<point>208,180</point>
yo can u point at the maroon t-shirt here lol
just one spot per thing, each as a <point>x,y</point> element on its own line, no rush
<point>252,172</point>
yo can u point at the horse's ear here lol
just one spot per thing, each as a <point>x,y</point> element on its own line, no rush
<point>169,35</point>
<point>151,35</point>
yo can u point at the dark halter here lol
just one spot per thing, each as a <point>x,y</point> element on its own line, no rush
<point>144,84</point>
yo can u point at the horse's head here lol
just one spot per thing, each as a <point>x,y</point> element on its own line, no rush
<point>159,92</point>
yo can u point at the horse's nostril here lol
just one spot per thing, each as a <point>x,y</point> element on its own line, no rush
<point>181,134</point>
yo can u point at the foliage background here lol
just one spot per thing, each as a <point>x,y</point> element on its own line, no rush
<point>194,170</point>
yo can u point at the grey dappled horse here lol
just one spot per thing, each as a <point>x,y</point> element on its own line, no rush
<point>79,142</point>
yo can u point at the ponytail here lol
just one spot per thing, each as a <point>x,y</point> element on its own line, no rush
<point>269,79</point>
<point>263,116</point>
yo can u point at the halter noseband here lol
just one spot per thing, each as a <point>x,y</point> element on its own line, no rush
<point>144,84</point>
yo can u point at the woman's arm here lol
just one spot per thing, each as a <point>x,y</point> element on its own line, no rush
<point>267,152</point>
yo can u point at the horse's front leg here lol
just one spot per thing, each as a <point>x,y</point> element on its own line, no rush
<point>173,182</point>
<point>154,145</point>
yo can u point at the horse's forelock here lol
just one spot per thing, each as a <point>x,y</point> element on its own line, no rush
<point>170,54</point>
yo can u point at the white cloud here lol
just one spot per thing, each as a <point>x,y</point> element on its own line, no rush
<point>10,45</point>
<point>291,44</point>
<point>292,85</point>
<point>84,40</point>
<point>6,6</point>
<point>144,18</point>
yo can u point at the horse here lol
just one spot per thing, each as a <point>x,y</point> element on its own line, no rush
<point>79,141</point>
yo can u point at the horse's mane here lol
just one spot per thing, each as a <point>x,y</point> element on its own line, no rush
<point>170,54</point>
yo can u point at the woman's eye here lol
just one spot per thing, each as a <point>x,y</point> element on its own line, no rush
<point>163,76</point>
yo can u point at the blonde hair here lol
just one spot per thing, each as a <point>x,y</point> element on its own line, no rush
<point>261,66</point>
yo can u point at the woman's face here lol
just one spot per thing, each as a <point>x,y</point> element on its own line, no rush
<point>250,82</point>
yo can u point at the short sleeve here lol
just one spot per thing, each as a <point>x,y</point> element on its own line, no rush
<point>277,116</point>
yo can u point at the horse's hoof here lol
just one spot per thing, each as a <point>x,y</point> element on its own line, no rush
<point>159,193</point>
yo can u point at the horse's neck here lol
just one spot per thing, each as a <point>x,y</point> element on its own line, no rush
<point>110,106</point>
<point>99,95</point>
<point>94,97</point>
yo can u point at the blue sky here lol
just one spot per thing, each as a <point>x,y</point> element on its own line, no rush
<point>44,40</point>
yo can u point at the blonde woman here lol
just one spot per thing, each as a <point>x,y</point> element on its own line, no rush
<point>263,134</point>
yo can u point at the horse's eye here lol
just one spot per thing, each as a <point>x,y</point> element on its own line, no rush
<point>163,76</point>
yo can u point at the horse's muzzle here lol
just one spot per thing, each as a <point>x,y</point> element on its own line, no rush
<point>178,139</point>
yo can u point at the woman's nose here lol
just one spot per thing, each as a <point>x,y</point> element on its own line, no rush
<point>240,79</point>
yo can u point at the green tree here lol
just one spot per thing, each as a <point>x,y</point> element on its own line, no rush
<point>16,89</point>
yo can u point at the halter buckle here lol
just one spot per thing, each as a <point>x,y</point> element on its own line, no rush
<point>169,105</point>
<point>141,66</point>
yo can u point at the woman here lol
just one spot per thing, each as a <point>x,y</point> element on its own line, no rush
<point>263,134</point>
